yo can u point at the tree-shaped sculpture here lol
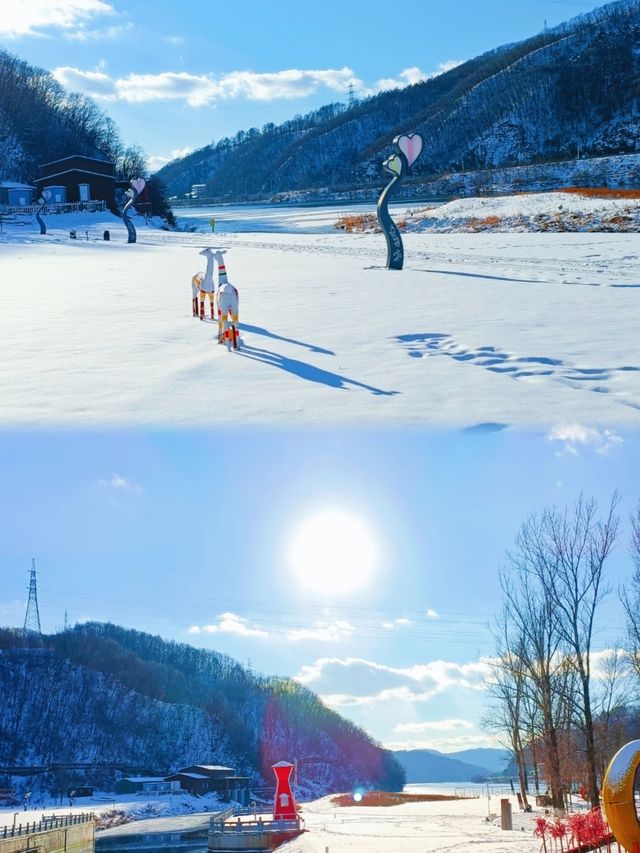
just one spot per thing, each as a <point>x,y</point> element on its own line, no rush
<point>408,150</point>
<point>42,201</point>
<point>137,185</point>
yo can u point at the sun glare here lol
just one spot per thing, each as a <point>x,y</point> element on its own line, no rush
<point>332,551</point>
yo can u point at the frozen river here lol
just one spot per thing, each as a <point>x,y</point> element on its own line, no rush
<point>278,218</point>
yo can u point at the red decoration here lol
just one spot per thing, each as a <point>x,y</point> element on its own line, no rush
<point>284,806</point>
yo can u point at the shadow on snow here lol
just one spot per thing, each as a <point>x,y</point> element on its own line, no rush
<point>308,371</point>
<point>258,330</point>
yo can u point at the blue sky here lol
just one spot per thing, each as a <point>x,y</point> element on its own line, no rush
<point>176,76</point>
<point>187,535</point>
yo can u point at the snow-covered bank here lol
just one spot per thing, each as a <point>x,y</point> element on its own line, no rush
<point>558,211</point>
<point>507,329</point>
<point>116,812</point>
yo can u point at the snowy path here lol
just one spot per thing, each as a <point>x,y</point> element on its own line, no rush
<point>507,329</point>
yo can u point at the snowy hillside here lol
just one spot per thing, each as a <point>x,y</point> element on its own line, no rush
<point>100,694</point>
<point>564,93</point>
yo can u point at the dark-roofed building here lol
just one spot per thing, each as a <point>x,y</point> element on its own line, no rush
<point>202,779</point>
<point>146,785</point>
<point>78,178</point>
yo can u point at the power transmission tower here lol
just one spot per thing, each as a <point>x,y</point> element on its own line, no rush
<point>32,616</point>
<point>351,95</point>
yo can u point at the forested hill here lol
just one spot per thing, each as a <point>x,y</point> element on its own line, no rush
<point>572,90</point>
<point>104,694</point>
<point>40,122</point>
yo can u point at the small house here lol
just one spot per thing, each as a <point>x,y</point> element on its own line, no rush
<point>78,179</point>
<point>202,779</point>
<point>16,194</point>
<point>146,785</point>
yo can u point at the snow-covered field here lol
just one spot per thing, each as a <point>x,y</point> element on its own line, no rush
<point>461,825</point>
<point>521,329</point>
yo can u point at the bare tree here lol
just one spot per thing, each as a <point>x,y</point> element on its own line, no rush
<point>610,705</point>
<point>630,595</point>
<point>534,622</point>
<point>566,551</point>
<point>507,684</point>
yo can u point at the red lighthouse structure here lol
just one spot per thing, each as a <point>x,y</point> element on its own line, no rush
<point>284,806</point>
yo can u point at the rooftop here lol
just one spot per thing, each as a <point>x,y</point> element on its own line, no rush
<point>143,779</point>
<point>14,185</point>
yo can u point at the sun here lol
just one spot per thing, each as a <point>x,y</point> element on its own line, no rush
<point>333,552</point>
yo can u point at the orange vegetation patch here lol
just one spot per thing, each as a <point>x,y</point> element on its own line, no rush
<point>601,192</point>
<point>357,222</point>
<point>389,798</point>
<point>485,223</point>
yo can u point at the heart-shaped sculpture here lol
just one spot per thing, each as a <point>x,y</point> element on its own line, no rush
<point>46,195</point>
<point>393,165</point>
<point>138,184</point>
<point>411,146</point>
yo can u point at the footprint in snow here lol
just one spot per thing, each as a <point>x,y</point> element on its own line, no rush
<point>526,368</point>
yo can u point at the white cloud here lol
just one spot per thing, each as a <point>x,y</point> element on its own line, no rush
<point>326,632</point>
<point>431,614</point>
<point>157,161</point>
<point>434,725</point>
<point>574,437</point>
<point>319,631</point>
<point>603,661</point>
<point>415,75</point>
<point>230,623</point>
<point>392,694</point>
<point>177,40</point>
<point>118,483</point>
<point>449,744</point>
<point>354,681</point>
<point>31,17</point>
<point>97,84</point>
<point>401,622</point>
<point>83,34</point>
<point>198,90</point>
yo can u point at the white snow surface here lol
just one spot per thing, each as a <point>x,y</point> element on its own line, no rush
<point>521,329</point>
<point>457,825</point>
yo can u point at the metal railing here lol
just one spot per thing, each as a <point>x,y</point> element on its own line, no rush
<point>218,826</point>
<point>46,824</point>
<point>53,207</point>
<point>218,819</point>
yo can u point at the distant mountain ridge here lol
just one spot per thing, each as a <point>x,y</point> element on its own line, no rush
<point>429,765</point>
<point>495,760</point>
<point>569,90</point>
<point>106,695</point>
